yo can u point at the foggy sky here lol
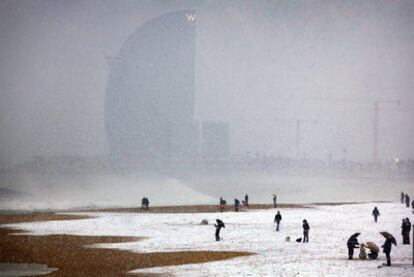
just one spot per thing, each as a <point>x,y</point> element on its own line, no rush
<point>261,65</point>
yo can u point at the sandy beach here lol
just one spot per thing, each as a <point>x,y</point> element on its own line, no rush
<point>69,254</point>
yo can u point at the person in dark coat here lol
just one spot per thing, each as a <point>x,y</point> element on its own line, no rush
<point>219,225</point>
<point>403,231</point>
<point>222,204</point>
<point>406,229</point>
<point>236,204</point>
<point>352,243</point>
<point>274,200</point>
<point>143,203</point>
<point>412,205</point>
<point>246,200</point>
<point>402,197</point>
<point>278,218</point>
<point>386,248</point>
<point>146,203</point>
<point>407,201</point>
<point>375,213</point>
<point>306,228</point>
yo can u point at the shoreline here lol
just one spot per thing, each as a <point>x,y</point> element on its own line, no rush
<point>205,208</point>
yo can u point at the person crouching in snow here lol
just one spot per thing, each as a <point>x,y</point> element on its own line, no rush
<point>219,225</point>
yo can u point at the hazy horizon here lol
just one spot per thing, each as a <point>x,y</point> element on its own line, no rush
<point>260,65</point>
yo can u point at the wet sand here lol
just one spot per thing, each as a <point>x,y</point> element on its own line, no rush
<point>69,254</point>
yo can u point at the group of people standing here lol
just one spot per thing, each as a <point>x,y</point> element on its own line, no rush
<point>145,203</point>
<point>222,203</point>
<point>405,198</point>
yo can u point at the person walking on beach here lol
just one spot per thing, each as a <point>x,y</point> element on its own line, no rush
<point>412,205</point>
<point>306,228</point>
<point>278,218</point>
<point>236,205</point>
<point>402,197</point>
<point>386,248</point>
<point>274,200</point>
<point>246,200</point>
<point>375,213</point>
<point>407,201</point>
<point>219,225</point>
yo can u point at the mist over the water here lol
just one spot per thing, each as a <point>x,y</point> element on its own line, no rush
<point>105,102</point>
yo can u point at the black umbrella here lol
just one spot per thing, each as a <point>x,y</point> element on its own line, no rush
<point>354,236</point>
<point>389,237</point>
<point>220,223</point>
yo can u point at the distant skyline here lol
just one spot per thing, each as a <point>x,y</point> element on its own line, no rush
<point>260,65</point>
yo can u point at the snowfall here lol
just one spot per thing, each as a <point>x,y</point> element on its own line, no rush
<point>254,231</point>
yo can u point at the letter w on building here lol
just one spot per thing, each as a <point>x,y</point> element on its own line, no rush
<point>191,17</point>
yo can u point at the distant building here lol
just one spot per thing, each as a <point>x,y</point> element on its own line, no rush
<point>215,140</point>
<point>149,106</point>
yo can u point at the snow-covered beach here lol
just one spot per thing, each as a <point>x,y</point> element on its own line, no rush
<point>254,231</point>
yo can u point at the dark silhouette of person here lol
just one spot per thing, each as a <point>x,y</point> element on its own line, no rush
<point>274,200</point>
<point>246,200</point>
<point>278,218</point>
<point>144,203</point>
<point>236,205</point>
<point>352,243</point>
<point>402,197</point>
<point>405,230</point>
<point>222,204</point>
<point>387,250</point>
<point>306,228</point>
<point>375,213</point>
<point>407,201</point>
<point>219,225</point>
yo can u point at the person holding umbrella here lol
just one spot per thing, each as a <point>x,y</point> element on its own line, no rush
<point>386,247</point>
<point>352,244</point>
<point>219,225</point>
